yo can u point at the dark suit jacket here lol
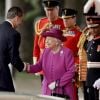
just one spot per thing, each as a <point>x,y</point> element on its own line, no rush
<point>9,53</point>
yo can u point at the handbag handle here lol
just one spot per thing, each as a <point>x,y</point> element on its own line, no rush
<point>53,92</point>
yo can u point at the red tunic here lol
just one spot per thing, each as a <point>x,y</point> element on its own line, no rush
<point>39,41</point>
<point>72,38</point>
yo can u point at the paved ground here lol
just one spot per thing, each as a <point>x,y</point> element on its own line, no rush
<point>30,84</point>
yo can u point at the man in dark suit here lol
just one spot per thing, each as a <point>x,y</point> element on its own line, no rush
<point>9,48</point>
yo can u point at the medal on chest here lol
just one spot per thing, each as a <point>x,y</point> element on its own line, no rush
<point>69,33</point>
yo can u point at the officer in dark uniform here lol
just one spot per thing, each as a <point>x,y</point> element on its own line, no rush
<point>93,64</point>
<point>93,51</point>
<point>86,36</point>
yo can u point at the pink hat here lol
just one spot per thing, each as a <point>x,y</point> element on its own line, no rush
<point>56,33</point>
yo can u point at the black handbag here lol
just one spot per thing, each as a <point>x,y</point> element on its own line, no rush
<point>61,95</point>
<point>66,97</point>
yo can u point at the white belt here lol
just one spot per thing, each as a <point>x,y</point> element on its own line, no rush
<point>93,64</point>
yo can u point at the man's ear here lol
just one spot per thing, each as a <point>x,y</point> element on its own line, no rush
<point>16,18</point>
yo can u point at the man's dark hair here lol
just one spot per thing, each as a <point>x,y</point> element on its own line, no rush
<point>14,11</point>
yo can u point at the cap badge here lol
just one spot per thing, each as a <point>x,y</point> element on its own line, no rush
<point>48,3</point>
<point>65,11</point>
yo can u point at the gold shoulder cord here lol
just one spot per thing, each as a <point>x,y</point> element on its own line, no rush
<point>38,30</point>
<point>83,37</point>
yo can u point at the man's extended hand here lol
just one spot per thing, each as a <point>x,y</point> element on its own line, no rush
<point>26,67</point>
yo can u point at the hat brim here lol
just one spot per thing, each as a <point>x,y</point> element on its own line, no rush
<point>94,19</point>
<point>93,25</point>
<point>66,17</point>
<point>51,34</point>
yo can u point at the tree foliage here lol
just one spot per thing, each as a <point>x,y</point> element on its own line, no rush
<point>2,9</point>
<point>34,10</point>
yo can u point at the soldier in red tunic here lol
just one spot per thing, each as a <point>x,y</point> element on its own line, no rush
<point>52,20</point>
<point>72,33</point>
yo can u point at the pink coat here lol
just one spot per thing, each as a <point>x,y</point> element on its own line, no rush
<point>56,67</point>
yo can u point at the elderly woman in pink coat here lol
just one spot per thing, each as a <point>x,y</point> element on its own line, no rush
<point>57,62</point>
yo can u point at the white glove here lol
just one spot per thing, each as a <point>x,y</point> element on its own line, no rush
<point>52,85</point>
<point>97,84</point>
<point>37,74</point>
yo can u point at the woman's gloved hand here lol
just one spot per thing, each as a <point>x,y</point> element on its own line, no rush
<point>52,85</point>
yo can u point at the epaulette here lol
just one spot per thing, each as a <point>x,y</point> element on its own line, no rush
<point>81,40</point>
<point>38,25</point>
<point>84,36</point>
<point>86,31</point>
<point>37,30</point>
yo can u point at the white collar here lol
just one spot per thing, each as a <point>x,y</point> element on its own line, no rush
<point>10,22</point>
